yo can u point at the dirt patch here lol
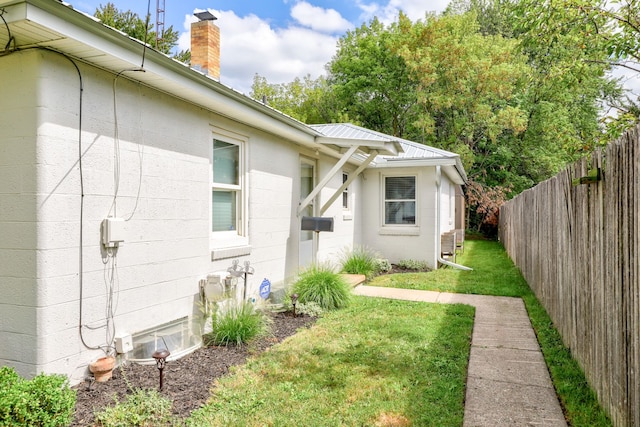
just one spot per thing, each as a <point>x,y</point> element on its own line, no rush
<point>187,381</point>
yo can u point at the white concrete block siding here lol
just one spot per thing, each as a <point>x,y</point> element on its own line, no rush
<point>163,153</point>
<point>167,248</point>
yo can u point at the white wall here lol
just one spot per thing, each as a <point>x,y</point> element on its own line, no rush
<point>18,210</point>
<point>333,246</point>
<point>164,155</point>
<point>406,242</point>
<point>153,276</point>
<point>447,205</point>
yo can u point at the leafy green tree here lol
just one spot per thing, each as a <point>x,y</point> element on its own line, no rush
<point>136,27</point>
<point>372,83</point>
<point>567,85</point>
<point>308,100</point>
<point>572,45</point>
<point>515,87</point>
<point>467,86</point>
<point>491,15</point>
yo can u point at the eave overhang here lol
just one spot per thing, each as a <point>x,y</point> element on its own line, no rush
<point>452,166</point>
<point>57,26</point>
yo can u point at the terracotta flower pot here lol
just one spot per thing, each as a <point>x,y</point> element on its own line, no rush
<point>102,368</point>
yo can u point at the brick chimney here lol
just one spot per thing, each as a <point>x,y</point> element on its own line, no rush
<point>205,45</point>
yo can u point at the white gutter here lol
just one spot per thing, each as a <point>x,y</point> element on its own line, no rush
<point>439,195</point>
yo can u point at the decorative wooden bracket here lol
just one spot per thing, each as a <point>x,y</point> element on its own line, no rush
<point>594,175</point>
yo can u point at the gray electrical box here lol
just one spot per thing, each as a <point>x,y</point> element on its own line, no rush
<point>317,223</point>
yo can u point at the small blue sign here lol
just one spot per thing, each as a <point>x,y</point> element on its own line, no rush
<point>265,289</point>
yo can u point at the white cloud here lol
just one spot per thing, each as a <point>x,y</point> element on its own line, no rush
<point>388,12</point>
<point>249,46</point>
<point>630,80</point>
<point>319,19</point>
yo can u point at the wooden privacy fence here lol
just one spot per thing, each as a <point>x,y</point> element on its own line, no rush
<point>576,243</point>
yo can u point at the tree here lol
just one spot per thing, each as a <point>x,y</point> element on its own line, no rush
<point>308,100</point>
<point>466,87</point>
<point>131,24</point>
<point>487,202</point>
<point>573,44</point>
<point>568,83</point>
<point>372,83</point>
<point>514,87</point>
<point>491,15</point>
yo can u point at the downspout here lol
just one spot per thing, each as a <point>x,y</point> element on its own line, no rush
<point>439,195</point>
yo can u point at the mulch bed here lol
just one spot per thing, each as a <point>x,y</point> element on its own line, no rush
<point>187,381</point>
<point>397,269</point>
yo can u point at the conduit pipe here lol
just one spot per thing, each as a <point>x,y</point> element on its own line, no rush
<point>438,198</point>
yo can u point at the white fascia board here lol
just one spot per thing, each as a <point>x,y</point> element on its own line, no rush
<point>429,161</point>
<point>389,148</point>
<point>451,165</point>
<point>161,72</point>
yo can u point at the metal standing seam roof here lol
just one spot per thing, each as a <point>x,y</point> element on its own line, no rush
<point>412,150</point>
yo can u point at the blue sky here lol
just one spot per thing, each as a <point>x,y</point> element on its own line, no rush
<point>284,39</point>
<point>277,39</point>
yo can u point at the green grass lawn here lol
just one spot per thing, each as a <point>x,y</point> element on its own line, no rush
<point>377,362</point>
<point>392,363</point>
<point>494,274</point>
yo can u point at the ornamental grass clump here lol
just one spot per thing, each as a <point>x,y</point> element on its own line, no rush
<point>320,284</point>
<point>238,324</point>
<point>361,260</point>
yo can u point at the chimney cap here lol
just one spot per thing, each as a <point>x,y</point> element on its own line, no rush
<point>205,16</point>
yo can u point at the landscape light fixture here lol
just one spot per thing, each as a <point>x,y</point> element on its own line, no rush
<point>161,359</point>
<point>294,300</point>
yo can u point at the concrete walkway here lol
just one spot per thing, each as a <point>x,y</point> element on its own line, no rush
<point>508,383</point>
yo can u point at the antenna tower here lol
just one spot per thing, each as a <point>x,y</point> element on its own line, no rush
<point>159,23</point>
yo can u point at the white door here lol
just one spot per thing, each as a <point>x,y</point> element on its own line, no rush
<point>306,252</point>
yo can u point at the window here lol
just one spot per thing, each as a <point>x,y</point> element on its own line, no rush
<point>399,200</point>
<point>226,190</point>
<point>345,192</point>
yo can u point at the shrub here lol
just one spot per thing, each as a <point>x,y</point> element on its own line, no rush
<point>238,324</point>
<point>46,400</point>
<point>311,308</point>
<point>412,264</point>
<point>383,265</point>
<point>360,260</point>
<point>320,284</point>
<point>142,408</point>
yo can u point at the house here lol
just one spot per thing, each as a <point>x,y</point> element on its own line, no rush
<point>128,179</point>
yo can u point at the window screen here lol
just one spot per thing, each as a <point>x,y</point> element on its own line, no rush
<point>226,160</point>
<point>400,200</point>
<point>226,190</point>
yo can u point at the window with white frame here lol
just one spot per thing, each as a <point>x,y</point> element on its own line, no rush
<point>226,188</point>
<point>345,192</point>
<point>400,200</point>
